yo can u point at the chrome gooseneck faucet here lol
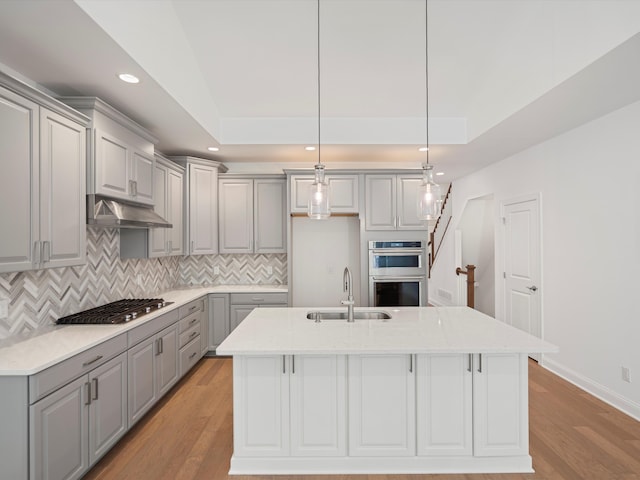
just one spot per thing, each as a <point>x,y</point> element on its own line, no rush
<point>347,282</point>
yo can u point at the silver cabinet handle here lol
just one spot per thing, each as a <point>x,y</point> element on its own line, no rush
<point>132,188</point>
<point>284,370</point>
<point>95,389</point>
<point>410,363</point>
<point>532,288</point>
<point>470,361</point>
<point>192,308</point>
<point>257,299</point>
<point>193,321</point>
<point>479,363</point>
<point>192,355</point>
<point>92,361</point>
<point>161,344</point>
<point>46,251</point>
<point>193,334</point>
<point>36,252</point>
<point>293,364</point>
<point>88,387</point>
<point>192,245</point>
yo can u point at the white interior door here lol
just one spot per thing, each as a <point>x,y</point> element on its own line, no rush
<point>522,265</point>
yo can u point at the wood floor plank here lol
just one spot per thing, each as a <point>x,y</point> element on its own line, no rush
<point>189,435</point>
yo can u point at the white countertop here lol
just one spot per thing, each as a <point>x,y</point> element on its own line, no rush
<point>33,352</point>
<point>287,331</point>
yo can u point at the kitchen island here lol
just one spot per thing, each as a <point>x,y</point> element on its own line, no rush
<point>430,390</point>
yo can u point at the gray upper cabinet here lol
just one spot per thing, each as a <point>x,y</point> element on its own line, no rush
<point>252,214</point>
<point>42,187</point>
<point>392,202</point>
<point>343,193</point>
<point>201,204</point>
<point>122,162</point>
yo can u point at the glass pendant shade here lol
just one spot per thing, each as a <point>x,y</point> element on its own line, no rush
<point>318,207</point>
<point>429,195</point>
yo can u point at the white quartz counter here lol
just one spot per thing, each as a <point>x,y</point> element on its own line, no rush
<point>31,353</point>
<point>287,331</point>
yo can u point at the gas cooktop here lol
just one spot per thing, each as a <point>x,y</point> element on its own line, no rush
<point>119,311</point>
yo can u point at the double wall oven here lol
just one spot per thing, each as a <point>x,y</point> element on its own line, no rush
<point>397,274</point>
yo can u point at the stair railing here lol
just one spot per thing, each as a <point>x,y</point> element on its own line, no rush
<point>437,234</point>
<point>470,273</point>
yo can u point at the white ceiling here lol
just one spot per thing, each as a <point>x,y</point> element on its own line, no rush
<point>242,74</point>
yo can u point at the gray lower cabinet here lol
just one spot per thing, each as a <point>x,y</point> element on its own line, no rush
<point>77,424</point>
<point>153,370</point>
<point>242,304</point>
<point>218,319</point>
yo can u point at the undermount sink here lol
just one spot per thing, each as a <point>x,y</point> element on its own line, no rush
<point>357,315</point>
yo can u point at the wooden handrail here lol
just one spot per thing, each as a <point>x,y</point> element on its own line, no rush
<point>470,273</point>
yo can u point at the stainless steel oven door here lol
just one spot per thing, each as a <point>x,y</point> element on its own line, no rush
<point>397,262</point>
<point>404,291</point>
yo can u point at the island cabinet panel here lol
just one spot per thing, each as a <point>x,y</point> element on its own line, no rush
<point>381,405</point>
<point>318,405</point>
<point>261,415</point>
<point>500,405</point>
<point>444,404</point>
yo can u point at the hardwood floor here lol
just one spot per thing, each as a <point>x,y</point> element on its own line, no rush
<point>189,435</point>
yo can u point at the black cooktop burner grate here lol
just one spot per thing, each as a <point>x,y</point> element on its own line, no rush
<point>119,311</point>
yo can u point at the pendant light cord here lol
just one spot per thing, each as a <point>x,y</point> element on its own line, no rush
<point>319,158</point>
<point>426,67</point>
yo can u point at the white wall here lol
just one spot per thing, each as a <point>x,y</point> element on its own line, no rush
<point>589,182</point>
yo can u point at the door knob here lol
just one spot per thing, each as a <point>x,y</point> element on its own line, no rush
<point>533,288</point>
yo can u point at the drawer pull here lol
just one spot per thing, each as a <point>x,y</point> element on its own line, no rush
<point>193,321</point>
<point>191,309</point>
<point>95,389</point>
<point>90,362</point>
<point>257,299</point>
<point>88,387</point>
<point>192,355</point>
<point>193,334</point>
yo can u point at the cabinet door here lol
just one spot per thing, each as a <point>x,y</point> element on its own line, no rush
<point>19,183</point>
<point>218,319</point>
<point>58,436</point>
<point>318,405</point>
<point>407,203</point>
<point>167,359</point>
<point>500,405</point>
<point>238,314</point>
<point>142,379</point>
<point>380,193</point>
<point>203,210</point>
<point>343,193</point>
<point>143,166</point>
<point>381,405</point>
<point>204,328</point>
<point>112,166</point>
<point>261,405</point>
<point>444,404</point>
<point>108,408</point>
<point>175,204</point>
<point>158,236</point>
<point>269,218</point>
<point>235,212</point>
<point>63,159</point>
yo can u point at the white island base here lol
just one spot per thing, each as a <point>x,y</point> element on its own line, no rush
<point>362,410</point>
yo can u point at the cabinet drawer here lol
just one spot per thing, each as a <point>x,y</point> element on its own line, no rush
<point>259,298</point>
<point>54,377</point>
<point>192,307</point>
<point>189,355</point>
<point>189,335</point>
<point>152,327</point>
<point>190,321</point>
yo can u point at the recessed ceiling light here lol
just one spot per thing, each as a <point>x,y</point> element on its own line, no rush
<point>423,149</point>
<point>213,149</point>
<point>310,148</point>
<point>129,78</point>
<point>439,174</point>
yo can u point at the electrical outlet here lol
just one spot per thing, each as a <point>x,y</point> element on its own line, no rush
<point>4,308</point>
<point>626,375</point>
<point>216,270</point>
<point>269,270</point>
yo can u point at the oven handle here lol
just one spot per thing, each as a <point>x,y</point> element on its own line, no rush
<point>394,278</point>
<point>408,251</point>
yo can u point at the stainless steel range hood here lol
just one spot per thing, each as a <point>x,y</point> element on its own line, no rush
<point>110,212</point>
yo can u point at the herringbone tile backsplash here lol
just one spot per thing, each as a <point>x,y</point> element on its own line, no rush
<point>37,298</point>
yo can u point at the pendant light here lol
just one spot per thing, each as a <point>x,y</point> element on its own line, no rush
<point>318,207</point>
<point>429,199</point>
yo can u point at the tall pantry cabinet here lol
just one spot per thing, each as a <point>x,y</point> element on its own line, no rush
<point>42,186</point>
